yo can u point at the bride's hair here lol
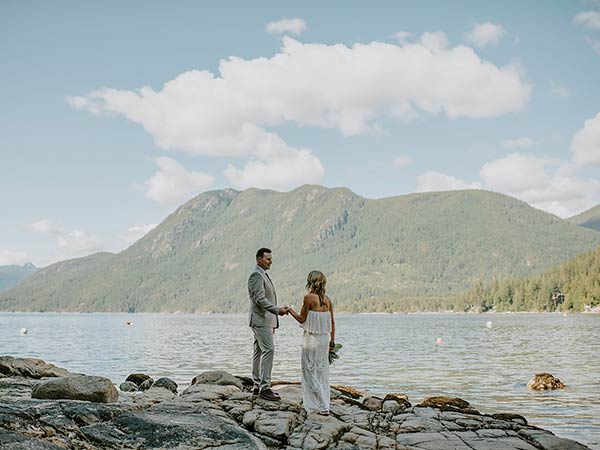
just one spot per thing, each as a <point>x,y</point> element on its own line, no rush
<point>315,283</point>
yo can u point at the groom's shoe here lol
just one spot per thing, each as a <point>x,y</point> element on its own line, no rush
<point>268,394</point>
<point>255,391</point>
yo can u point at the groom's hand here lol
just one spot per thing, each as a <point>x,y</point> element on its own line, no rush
<point>284,311</point>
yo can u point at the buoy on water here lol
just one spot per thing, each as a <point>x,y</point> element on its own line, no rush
<point>489,324</point>
<point>128,322</point>
<point>439,341</point>
<point>24,331</point>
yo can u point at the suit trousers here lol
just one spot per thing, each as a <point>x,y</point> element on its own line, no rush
<point>262,357</point>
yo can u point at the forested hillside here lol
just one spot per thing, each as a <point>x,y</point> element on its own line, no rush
<point>411,252</point>
<point>569,287</point>
<point>588,219</point>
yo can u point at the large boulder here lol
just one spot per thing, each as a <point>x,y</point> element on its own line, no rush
<point>544,382</point>
<point>30,368</point>
<point>217,377</point>
<point>183,426</point>
<point>83,387</point>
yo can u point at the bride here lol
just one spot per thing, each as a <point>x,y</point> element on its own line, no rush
<point>316,317</point>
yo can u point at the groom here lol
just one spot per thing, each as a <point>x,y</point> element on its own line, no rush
<point>263,321</point>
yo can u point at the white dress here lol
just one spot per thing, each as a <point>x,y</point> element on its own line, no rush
<point>315,361</point>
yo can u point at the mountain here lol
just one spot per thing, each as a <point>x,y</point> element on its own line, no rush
<point>568,287</point>
<point>588,219</point>
<point>410,252</point>
<point>10,276</point>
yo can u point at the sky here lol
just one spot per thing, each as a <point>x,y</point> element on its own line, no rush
<point>112,114</point>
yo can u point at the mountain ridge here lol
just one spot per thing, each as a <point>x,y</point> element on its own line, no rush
<point>12,275</point>
<point>409,252</point>
<point>588,219</point>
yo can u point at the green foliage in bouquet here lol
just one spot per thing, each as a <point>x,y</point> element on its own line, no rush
<point>333,355</point>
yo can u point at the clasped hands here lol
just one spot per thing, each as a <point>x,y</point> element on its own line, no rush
<point>284,311</point>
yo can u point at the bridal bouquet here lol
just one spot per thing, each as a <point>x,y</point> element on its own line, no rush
<point>333,356</point>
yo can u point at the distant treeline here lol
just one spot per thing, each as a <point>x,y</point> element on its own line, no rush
<point>568,287</point>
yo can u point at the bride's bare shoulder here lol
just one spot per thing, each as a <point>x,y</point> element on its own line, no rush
<point>310,298</point>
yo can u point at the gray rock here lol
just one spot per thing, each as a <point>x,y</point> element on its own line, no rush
<point>146,384</point>
<point>104,434</point>
<point>207,392</point>
<point>30,368</point>
<point>318,432</point>
<point>275,424</point>
<point>372,403</point>
<point>17,441</point>
<point>226,418</point>
<point>154,395</point>
<point>82,387</point>
<point>546,440</point>
<point>166,383</point>
<point>128,386</point>
<point>167,426</point>
<point>217,377</point>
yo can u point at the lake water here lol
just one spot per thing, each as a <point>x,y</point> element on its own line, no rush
<point>487,366</point>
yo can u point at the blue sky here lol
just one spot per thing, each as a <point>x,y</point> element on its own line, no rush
<point>112,114</point>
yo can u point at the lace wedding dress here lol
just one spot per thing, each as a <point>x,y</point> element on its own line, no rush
<point>315,361</point>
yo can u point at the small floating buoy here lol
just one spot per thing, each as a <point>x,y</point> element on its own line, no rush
<point>24,331</point>
<point>564,314</point>
<point>489,324</point>
<point>128,322</point>
<point>439,341</point>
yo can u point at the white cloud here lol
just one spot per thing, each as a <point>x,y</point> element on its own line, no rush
<point>515,173</point>
<point>79,242</point>
<point>484,34</point>
<point>136,232</point>
<point>44,226</point>
<point>402,36</point>
<point>435,41</point>
<point>292,26</point>
<point>401,161</point>
<point>588,19</point>
<point>547,184</point>
<point>173,184</point>
<point>432,181</point>
<point>585,146</point>
<point>70,242</point>
<point>558,90</point>
<point>280,172</point>
<point>12,258</point>
<point>351,89</point>
<point>523,142</point>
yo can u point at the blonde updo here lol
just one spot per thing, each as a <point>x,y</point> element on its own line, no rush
<point>315,283</point>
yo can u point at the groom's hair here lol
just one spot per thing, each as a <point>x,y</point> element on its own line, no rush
<point>261,252</point>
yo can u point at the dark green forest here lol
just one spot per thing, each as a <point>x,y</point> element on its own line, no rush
<point>572,286</point>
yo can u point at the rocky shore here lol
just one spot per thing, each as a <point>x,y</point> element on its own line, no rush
<point>218,411</point>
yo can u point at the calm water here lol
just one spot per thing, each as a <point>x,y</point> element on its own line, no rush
<point>489,367</point>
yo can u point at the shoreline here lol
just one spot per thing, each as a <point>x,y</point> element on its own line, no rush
<point>218,410</point>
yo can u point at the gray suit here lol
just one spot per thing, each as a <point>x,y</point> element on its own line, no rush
<point>263,319</point>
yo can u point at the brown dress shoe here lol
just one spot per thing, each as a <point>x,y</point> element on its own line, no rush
<point>268,394</point>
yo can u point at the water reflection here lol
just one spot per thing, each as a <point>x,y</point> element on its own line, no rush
<point>488,366</point>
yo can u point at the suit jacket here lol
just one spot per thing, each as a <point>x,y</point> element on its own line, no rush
<point>264,311</point>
